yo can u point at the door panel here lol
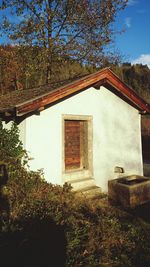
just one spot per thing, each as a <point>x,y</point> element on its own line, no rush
<point>72,144</point>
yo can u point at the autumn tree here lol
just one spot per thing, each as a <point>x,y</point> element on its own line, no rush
<point>10,69</point>
<point>77,29</point>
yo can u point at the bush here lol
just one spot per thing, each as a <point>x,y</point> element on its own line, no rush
<point>77,231</point>
<point>10,144</point>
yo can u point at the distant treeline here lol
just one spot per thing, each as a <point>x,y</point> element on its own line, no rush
<point>23,67</point>
<point>137,76</point>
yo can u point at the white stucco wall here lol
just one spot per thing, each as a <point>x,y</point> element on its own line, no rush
<point>116,136</point>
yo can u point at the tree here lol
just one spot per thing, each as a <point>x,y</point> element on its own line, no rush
<point>21,67</point>
<point>10,69</point>
<point>70,28</point>
<point>137,76</point>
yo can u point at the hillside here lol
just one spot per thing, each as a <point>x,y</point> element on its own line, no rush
<point>137,76</point>
<point>24,67</point>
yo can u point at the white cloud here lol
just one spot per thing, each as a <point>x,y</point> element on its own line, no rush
<point>132,2</point>
<point>143,59</point>
<point>128,22</point>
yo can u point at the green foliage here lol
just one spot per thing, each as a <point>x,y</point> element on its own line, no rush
<point>137,76</point>
<point>10,144</point>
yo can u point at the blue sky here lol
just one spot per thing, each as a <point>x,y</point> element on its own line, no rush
<point>134,43</point>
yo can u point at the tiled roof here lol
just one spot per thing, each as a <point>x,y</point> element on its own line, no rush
<point>19,103</point>
<point>12,99</point>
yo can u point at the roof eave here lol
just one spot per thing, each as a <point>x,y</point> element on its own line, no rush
<point>127,92</point>
<point>60,94</point>
<point>133,99</point>
<point>104,77</point>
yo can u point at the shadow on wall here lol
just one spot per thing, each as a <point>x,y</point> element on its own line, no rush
<point>146,148</point>
<point>146,154</point>
<point>40,244</point>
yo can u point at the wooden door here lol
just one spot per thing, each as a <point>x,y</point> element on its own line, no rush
<point>76,144</point>
<point>72,144</point>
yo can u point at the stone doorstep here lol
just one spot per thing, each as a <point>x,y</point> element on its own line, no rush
<point>90,192</point>
<point>82,183</point>
<point>85,187</point>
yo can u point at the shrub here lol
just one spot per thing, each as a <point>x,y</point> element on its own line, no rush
<point>87,233</point>
<point>10,144</point>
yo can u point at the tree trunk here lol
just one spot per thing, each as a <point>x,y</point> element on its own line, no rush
<point>50,44</point>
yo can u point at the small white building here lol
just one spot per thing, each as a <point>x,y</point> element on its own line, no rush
<point>84,133</point>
